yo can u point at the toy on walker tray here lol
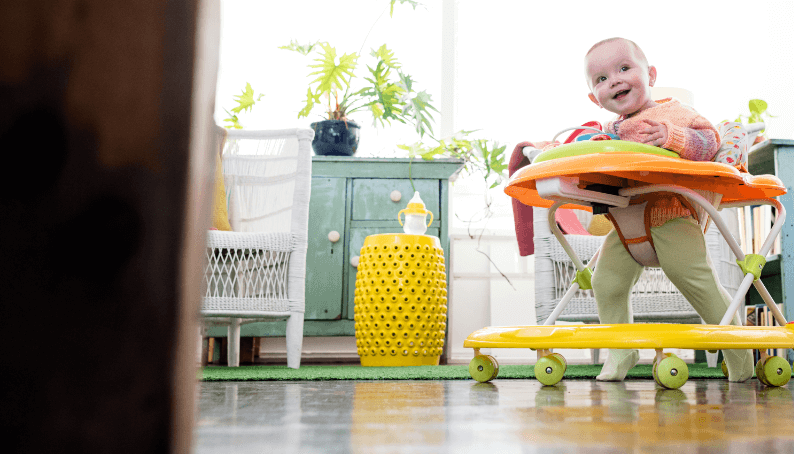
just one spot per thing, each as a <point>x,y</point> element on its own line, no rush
<point>607,176</point>
<point>401,294</point>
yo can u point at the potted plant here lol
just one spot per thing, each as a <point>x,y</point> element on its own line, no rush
<point>384,90</point>
<point>387,94</point>
<point>757,114</point>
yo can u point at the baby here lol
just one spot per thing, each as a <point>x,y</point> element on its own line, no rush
<point>620,81</point>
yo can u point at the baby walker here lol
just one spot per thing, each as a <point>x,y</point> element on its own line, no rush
<point>610,176</point>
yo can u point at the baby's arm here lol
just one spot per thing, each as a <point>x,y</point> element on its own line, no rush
<point>698,142</point>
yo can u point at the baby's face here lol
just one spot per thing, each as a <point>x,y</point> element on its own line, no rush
<point>619,80</point>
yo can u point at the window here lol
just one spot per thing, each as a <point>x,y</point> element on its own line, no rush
<point>253,30</point>
<point>518,65</point>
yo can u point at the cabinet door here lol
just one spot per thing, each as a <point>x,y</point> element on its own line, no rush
<point>324,258</point>
<point>357,237</point>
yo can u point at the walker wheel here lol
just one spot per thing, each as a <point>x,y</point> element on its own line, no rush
<point>725,369</point>
<point>672,372</point>
<point>483,368</point>
<point>549,370</point>
<point>562,361</point>
<point>776,371</point>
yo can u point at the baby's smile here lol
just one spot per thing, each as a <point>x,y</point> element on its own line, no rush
<point>621,94</point>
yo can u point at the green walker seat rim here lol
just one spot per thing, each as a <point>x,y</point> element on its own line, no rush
<point>586,147</point>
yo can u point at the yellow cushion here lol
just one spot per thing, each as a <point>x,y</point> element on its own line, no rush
<point>599,225</point>
<point>220,215</point>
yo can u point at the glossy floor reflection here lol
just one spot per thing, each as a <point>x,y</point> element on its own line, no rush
<point>704,416</point>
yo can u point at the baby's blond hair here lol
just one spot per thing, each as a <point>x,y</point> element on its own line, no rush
<point>640,53</point>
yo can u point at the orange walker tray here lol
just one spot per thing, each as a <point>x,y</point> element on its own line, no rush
<point>559,178</point>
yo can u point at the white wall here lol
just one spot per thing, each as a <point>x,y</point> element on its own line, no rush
<point>481,296</point>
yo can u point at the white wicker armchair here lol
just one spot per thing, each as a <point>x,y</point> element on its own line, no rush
<point>258,270</point>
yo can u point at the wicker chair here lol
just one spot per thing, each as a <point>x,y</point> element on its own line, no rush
<point>258,270</point>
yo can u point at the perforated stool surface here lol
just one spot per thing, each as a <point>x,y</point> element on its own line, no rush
<point>400,300</point>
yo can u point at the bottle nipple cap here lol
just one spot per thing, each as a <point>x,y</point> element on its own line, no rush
<point>416,205</point>
<point>415,216</point>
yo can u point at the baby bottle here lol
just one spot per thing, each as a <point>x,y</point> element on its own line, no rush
<point>415,216</point>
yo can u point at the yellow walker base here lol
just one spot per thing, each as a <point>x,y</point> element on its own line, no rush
<point>669,370</point>
<point>575,175</point>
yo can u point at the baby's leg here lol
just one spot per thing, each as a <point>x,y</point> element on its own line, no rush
<point>615,274</point>
<point>683,255</point>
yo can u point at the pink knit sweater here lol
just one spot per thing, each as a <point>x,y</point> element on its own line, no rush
<point>688,134</point>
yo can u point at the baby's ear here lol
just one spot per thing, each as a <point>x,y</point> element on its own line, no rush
<point>651,75</point>
<point>593,98</point>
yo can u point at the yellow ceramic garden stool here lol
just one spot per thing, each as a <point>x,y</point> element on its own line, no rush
<point>401,294</point>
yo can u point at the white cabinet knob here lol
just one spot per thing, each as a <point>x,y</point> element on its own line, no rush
<point>333,236</point>
<point>395,196</point>
<point>354,261</point>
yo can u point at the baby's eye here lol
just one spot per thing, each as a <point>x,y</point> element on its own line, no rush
<point>624,68</point>
<point>601,79</point>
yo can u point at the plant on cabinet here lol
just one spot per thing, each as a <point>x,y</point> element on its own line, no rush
<point>340,86</point>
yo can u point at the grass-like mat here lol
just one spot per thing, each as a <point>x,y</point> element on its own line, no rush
<point>264,373</point>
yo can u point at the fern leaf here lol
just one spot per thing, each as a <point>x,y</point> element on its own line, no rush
<point>302,49</point>
<point>246,100</point>
<point>386,93</point>
<point>410,2</point>
<point>419,108</point>
<point>331,76</point>
<point>235,122</point>
<point>311,101</point>
<point>387,56</point>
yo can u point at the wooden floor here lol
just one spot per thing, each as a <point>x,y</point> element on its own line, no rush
<point>504,416</point>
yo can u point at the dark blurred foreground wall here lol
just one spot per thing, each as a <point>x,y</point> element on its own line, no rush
<point>105,116</point>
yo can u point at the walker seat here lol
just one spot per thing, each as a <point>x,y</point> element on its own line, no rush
<point>629,164</point>
<point>612,173</point>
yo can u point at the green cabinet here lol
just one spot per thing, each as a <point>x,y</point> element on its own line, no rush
<point>352,199</point>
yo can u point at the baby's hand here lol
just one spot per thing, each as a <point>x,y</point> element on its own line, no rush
<point>650,133</point>
<point>655,134</point>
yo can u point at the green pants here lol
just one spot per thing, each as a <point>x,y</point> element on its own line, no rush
<point>681,249</point>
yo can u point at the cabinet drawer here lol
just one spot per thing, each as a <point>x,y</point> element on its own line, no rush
<point>372,197</point>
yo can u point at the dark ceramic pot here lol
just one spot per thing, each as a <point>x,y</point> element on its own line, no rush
<point>335,138</point>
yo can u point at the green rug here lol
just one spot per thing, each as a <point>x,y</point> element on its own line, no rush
<point>265,373</point>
